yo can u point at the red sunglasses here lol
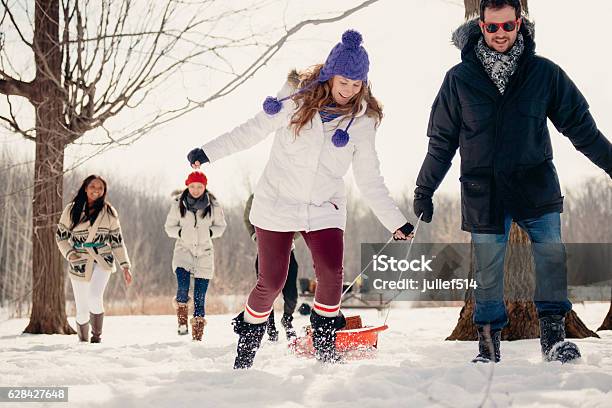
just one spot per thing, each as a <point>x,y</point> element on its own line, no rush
<point>508,26</point>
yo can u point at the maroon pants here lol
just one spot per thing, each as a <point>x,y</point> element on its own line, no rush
<point>274,249</point>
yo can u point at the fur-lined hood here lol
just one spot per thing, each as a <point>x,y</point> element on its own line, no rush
<point>469,32</point>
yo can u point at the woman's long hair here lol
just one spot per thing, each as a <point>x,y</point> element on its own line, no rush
<point>212,200</point>
<point>79,204</point>
<point>312,100</point>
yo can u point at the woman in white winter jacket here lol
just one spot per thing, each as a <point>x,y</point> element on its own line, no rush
<point>324,122</point>
<point>194,219</point>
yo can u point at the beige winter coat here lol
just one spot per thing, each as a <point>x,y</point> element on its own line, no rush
<point>193,250</point>
<point>107,238</point>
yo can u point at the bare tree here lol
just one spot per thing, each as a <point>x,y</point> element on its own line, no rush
<point>607,322</point>
<point>592,204</point>
<point>80,63</point>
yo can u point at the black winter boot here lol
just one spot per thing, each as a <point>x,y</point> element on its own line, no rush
<point>272,332</point>
<point>489,344</point>
<point>552,340</point>
<point>287,323</point>
<point>248,342</point>
<point>324,336</point>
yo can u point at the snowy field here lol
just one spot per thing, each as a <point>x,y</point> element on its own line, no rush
<point>143,363</point>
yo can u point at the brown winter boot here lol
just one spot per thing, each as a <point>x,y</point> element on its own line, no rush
<point>181,315</point>
<point>83,332</point>
<point>197,327</point>
<point>96,327</point>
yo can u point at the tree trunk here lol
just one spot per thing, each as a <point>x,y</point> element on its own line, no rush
<point>48,293</point>
<point>519,279</point>
<point>607,323</point>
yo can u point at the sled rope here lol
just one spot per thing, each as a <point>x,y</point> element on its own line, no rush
<point>366,267</point>
<point>416,228</point>
<point>378,253</point>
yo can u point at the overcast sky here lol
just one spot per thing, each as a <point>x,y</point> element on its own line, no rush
<point>410,51</point>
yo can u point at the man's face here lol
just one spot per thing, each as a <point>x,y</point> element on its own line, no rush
<point>501,40</point>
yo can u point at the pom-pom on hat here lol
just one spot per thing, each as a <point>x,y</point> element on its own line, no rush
<point>196,177</point>
<point>348,59</point>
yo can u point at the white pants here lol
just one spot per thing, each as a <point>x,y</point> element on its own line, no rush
<point>88,295</point>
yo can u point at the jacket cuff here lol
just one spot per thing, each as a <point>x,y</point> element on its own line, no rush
<point>69,252</point>
<point>424,191</point>
<point>407,228</point>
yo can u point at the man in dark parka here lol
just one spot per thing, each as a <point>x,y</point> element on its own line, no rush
<point>493,106</point>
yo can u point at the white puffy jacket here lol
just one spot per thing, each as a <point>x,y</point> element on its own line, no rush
<point>193,250</point>
<point>302,186</point>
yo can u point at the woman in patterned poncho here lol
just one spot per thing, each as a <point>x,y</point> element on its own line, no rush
<point>89,237</point>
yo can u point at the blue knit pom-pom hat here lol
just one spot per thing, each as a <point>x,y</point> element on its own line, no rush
<point>348,59</point>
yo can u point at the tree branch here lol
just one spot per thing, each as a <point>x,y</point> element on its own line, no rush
<point>12,86</point>
<point>240,78</point>
<point>13,125</point>
<point>8,11</point>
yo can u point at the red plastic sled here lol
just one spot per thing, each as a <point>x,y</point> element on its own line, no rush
<point>358,342</point>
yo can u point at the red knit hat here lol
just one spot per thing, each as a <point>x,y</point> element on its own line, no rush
<point>196,177</point>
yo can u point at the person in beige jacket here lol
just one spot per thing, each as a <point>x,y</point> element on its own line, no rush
<point>194,220</point>
<point>89,237</point>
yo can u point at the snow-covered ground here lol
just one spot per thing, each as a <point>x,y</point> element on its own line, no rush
<point>142,362</point>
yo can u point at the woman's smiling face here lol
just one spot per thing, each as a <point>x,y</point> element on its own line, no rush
<point>344,89</point>
<point>94,190</point>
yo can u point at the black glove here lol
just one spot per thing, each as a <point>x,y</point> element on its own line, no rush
<point>423,204</point>
<point>197,154</point>
<point>406,230</point>
<point>180,232</point>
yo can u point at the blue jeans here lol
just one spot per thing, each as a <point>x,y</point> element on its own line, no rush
<point>548,252</point>
<point>183,278</point>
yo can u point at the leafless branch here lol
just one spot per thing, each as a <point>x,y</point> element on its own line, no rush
<point>12,18</point>
<point>246,74</point>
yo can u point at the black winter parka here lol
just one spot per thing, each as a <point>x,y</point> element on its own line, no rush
<point>503,140</point>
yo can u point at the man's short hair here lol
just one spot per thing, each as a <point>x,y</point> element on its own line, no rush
<point>496,4</point>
